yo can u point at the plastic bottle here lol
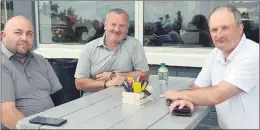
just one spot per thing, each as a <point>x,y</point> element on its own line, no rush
<point>163,79</point>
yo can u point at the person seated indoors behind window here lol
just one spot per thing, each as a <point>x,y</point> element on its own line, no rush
<point>109,60</point>
<point>197,32</point>
<point>230,77</point>
<point>27,78</point>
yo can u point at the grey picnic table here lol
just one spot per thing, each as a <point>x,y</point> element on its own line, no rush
<point>105,110</point>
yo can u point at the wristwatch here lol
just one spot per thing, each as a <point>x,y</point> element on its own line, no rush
<point>105,84</point>
<point>112,75</point>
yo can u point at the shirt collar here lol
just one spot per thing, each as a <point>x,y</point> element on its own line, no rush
<point>101,42</point>
<point>5,51</point>
<point>238,47</point>
<point>9,54</point>
<point>233,53</point>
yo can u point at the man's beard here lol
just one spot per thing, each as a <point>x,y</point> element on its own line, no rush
<point>21,53</point>
<point>21,56</point>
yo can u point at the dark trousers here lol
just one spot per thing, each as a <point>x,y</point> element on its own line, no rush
<point>3,127</point>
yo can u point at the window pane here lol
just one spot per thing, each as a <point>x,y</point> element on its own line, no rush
<point>2,15</point>
<point>170,23</point>
<point>77,22</point>
<point>6,12</point>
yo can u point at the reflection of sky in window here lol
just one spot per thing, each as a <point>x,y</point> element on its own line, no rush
<point>155,9</point>
<point>96,9</point>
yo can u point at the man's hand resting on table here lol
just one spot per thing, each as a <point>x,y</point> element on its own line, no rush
<point>181,104</point>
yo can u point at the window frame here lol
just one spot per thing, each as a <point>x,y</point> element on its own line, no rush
<point>5,11</point>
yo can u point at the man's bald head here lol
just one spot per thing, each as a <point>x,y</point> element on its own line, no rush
<point>18,35</point>
<point>16,19</point>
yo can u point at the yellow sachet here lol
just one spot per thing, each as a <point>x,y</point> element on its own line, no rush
<point>137,87</point>
<point>144,86</point>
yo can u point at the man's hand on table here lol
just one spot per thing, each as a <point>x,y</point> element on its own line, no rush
<point>181,104</point>
<point>178,100</point>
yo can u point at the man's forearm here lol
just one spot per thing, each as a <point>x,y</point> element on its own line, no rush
<point>89,85</point>
<point>200,96</point>
<point>194,86</point>
<point>145,75</point>
<point>10,119</point>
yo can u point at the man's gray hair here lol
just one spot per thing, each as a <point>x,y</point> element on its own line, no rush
<point>118,11</point>
<point>231,9</point>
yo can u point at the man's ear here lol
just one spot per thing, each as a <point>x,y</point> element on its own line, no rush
<point>105,23</point>
<point>2,35</point>
<point>241,28</point>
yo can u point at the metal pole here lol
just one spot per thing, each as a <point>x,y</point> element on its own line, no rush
<point>5,9</point>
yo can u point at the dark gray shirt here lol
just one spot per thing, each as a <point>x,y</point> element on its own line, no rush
<point>29,85</point>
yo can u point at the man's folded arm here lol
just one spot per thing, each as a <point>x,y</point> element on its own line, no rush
<point>82,74</point>
<point>89,85</point>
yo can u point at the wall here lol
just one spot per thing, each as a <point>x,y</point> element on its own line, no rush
<point>177,71</point>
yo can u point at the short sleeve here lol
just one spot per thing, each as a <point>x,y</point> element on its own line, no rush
<point>244,74</point>
<point>7,86</point>
<point>204,77</point>
<point>139,59</point>
<point>83,66</point>
<point>53,79</point>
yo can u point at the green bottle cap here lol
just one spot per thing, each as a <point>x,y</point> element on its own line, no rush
<point>162,64</point>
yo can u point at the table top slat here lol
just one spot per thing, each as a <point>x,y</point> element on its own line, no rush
<point>105,110</point>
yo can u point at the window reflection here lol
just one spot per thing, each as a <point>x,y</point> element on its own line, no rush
<point>197,32</point>
<point>78,21</point>
<point>2,15</point>
<point>185,23</point>
<point>6,12</point>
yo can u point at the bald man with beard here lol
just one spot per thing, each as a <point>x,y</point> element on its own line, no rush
<point>27,78</point>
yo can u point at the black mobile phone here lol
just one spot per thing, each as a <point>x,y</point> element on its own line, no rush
<point>185,111</point>
<point>48,121</point>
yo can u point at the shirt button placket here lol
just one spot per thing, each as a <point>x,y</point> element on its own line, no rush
<point>28,75</point>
